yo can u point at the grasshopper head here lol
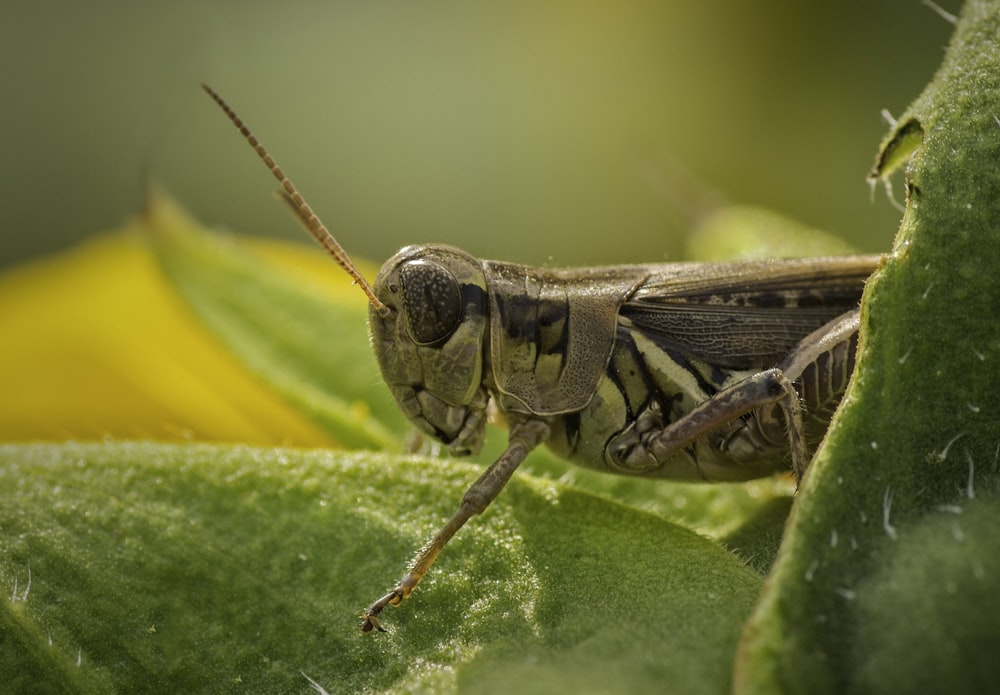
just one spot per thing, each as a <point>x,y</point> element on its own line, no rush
<point>427,317</point>
<point>429,344</point>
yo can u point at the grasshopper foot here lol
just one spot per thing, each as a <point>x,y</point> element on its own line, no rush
<point>370,621</point>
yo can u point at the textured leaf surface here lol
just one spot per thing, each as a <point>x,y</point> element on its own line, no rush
<point>194,568</point>
<point>886,578</point>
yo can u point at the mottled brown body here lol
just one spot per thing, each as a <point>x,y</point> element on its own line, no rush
<point>608,357</point>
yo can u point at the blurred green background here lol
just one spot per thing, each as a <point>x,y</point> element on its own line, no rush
<point>541,132</point>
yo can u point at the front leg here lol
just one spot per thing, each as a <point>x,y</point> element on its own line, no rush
<point>524,437</point>
<point>650,442</point>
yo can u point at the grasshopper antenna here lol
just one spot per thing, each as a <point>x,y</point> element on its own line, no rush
<point>301,208</point>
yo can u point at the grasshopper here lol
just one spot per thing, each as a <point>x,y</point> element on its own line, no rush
<point>687,371</point>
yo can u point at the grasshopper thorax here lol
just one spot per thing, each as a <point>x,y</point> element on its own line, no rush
<point>429,345</point>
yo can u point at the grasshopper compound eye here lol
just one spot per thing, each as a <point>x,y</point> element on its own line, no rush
<point>431,299</point>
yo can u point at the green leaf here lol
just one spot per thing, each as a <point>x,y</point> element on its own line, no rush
<point>311,347</point>
<point>885,581</point>
<point>742,231</point>
<point>196,568</point>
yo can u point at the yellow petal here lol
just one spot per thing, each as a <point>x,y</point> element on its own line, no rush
<point>96,344</point>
